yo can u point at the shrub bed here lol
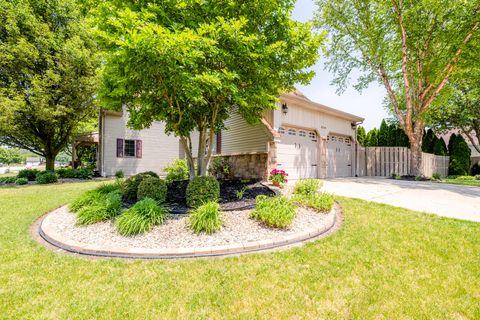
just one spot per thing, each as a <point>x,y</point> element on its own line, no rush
<point>70,173</point>
<point>202,190</point>
<point>307,186</point>
<point>21,181</point>
<point>46,177</point>
<point>276,212</point>
<point>29,174</point>
<point>8,180</point>
<point>205,218</point>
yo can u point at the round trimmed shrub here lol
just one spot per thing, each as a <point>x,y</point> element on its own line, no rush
<point>153,188</point>
<point>21,181</point>
<point>46,177</point>
<point>29,174</point>
<point>202,190</point>
<point>130,186</point>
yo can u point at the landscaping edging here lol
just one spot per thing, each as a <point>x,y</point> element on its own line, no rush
<point>47,233</point>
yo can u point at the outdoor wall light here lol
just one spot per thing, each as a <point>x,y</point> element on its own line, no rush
<point>284,108</point>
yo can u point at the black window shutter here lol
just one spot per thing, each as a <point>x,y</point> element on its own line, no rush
<point>119,148</point>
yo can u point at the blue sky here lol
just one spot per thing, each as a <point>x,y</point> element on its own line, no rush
<point>367,104</point>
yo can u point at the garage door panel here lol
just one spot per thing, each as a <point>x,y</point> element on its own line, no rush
<point>339,155</point>
<point>297,154</point>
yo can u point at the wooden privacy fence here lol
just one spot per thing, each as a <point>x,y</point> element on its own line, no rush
<point>384,161</point>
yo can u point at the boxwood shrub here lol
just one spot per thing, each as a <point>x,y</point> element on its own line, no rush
<point>130,186</point>
<point>202,190</point>
<point>205,218</point>
<point>276,212</point>
<point>154,188</point>
<point>21,181</point>
<point>29,174</point>
<point>7,180</point>
<point>46,177</point>
<point>141,217</point>
<point>80,173</point>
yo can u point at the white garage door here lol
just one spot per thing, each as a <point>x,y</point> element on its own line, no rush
<point>297,153</point>
<point>339,155</point>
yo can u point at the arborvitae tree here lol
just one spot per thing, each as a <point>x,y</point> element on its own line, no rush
<point>451,142</point>
<point>439,147</point>
<point>401,139</point>
<point>428,141</point>
<point>392,133</point>
<point>459,156</point>
<point>383,134</point>
<point>361,135</point>
<point>372,138</point>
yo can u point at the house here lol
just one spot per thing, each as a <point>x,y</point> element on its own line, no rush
<point>302,137</point>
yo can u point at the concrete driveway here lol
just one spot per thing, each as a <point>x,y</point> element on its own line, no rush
<point>453,201</point>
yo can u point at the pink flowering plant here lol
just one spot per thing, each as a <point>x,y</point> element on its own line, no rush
<point>278,176</point>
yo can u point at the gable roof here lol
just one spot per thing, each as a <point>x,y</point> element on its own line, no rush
<point>301,100</point>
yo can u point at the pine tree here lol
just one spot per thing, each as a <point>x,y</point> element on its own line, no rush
<point>428,141</point>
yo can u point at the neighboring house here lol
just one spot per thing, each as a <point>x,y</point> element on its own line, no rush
<point>33,162</point>
<point>304,138</point>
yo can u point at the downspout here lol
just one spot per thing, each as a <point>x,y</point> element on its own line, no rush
<point>356,147</point>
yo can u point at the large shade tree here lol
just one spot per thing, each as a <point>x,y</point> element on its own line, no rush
<point>460,107</point>
<point>411,47</point>
<point>191,64</point>
<point>48,75</point>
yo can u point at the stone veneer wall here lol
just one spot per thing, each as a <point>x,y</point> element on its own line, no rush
<point>248,166</point>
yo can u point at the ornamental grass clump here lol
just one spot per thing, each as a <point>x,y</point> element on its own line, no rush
<point>93,196</point>
<point>307,186</point>
<point>321,202</point>
<point>276,212</point>
<point>102,208</point>
<point>206,218</point>
<point>141,218</point>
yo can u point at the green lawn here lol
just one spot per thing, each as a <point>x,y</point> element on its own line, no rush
<point>475,183</point>
<point>384,263</point>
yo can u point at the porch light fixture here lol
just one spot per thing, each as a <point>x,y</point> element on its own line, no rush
<point>284,108</point>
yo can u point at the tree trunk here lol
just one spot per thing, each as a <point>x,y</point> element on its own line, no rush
<point>50,163</point>
<point>416,168</point>
<point>188,151</point>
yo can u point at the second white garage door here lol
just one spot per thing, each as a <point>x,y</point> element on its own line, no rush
<point>297,153</point>
<point>339,155</point>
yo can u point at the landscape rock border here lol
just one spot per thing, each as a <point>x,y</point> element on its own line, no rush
<point>67,245</point>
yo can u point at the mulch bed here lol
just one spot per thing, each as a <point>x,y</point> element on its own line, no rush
<point>413,178</point>
<point>229,201</point>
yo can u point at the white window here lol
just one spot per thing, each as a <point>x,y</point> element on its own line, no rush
<point>347,140</point>
<point>292,132</point>
<point>302,133</point>
<point>312,135</point>
<point>340,139</point>
<point>281,130</point>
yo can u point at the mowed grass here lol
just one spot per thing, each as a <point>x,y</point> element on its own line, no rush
<point>384,263</point>
<point>475,183</point>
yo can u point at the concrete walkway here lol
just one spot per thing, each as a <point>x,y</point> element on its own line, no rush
<point>453,201</point>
